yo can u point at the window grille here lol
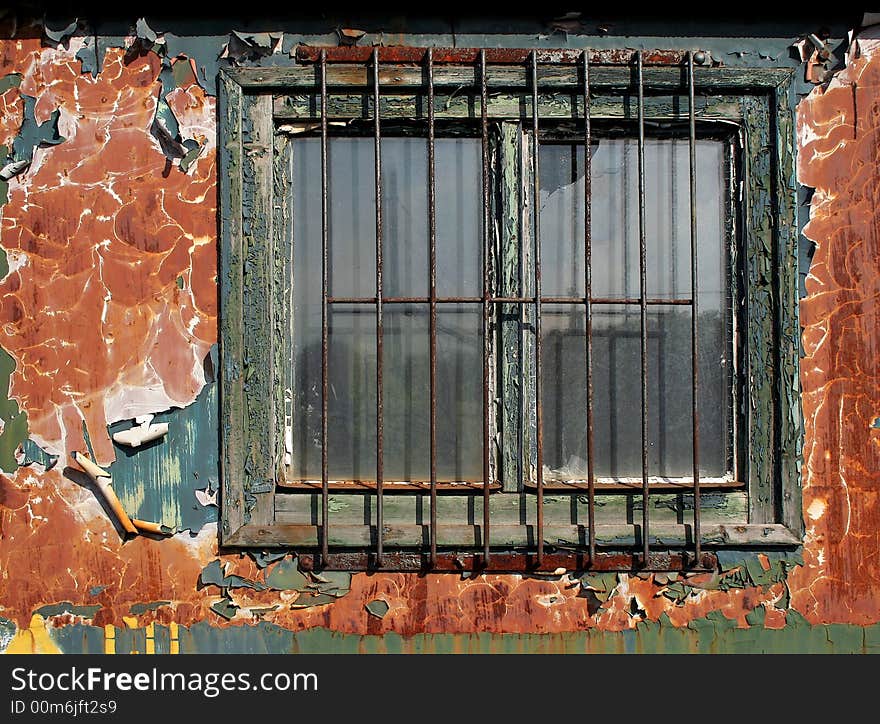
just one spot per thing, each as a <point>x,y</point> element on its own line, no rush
<point>361,71</point>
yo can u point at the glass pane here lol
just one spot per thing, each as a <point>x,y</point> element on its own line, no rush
<point>459,193</point>
<point>615,211</point>
<point>617,394</point>
<point>352,364</point>
<point>616,344</point>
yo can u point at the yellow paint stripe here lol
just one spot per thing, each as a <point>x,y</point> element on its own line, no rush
<point>109,639</point>
<point>34,639</point>
<point>151,640</point>
<point>175,644</point>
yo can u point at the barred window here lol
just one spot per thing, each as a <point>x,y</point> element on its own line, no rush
<point>508,310</point>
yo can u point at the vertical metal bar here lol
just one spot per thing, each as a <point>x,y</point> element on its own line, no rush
<point>695,414</point>
<point>588,309</point>
<point>432,231</point>
<point>325,491</point>
<point>379,329</point>
<point>536,220</point>
<point>484,122</point>
<point>643,283</point>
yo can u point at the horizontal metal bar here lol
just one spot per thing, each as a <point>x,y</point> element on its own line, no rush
<point>462,487</point>
<point>403,54</point>
<point>654,301</point>
<point>455,562</point>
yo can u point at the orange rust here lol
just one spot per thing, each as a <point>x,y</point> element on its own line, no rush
<point>103,252</point>
<point>840,372</point>
<point>160,225</point>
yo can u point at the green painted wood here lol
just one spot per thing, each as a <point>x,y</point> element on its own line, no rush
<point>513,106</point>
<point>761,308</point>
<point>790,425</point>
<point>258,314</point>
<point>501,77</point>
<point>509,536</point>
<point>515,507</point>
<point>231,302</point>
<point>509,213</point>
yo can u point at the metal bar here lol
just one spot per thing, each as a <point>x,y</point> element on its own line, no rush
<point>325,491</point>
<point>401,54</point>
<point>643,284</point>
<point>536,220</point>
<point>695,414</point>
<point>379,330</point>
<point>484,124</point>
<point>432,231</point>
<point>650,301</point>
<point>588,311</point>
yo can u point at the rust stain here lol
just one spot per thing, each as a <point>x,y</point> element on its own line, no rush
<point>101,227</point>
<point>97,234</point>
<point>839,130</point>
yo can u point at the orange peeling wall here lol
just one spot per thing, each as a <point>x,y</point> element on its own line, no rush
<point>110,307</point>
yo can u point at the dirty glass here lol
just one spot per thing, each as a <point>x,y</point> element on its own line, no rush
<point>616,327</point>
<point>352,364</point>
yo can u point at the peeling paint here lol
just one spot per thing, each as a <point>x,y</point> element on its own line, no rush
<point>108,309</point>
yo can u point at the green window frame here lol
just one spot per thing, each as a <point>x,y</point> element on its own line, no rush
<point>260,109</point>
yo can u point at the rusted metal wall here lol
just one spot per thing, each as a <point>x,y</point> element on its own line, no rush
<point>108,311</point>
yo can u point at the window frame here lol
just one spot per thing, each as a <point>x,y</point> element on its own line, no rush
<point>758,100</point>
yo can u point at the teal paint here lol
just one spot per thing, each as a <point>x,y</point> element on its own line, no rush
<point>131,640</point>
<point>15,428</point>
<point>97,590</point>
<point>286,576</point>
<point>377,608</point>
<point>141,608</point>
<point>212,575</point>
<point>78,638</point>
<point>225,608</point>
<point>59,609</point>
<point>7,631</point>
<point>33,134</point>
<point>713,634</point>
<point>157,481</point>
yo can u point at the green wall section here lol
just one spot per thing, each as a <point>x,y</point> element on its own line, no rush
<point>713,634</point>
<point>15,429</point>
<point>158,481</point>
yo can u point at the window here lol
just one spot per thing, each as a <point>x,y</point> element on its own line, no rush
<point>435,272</point>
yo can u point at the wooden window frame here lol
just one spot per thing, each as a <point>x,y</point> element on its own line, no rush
<point>253,101</point>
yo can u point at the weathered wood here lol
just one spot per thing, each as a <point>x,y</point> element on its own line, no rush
<point>230,152</point>
<point>506,508</point>
<point>761,308</point>
<point>790,422</point>
<point>507,76</point>
<point>508,212</point>
<point>466,104</point>
<point>512,536</point>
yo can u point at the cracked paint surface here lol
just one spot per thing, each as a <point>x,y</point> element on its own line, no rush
<point>98,230</point>
<point>109,309</point>
<point>839,156</point>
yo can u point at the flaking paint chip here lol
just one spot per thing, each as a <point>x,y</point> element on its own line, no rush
<point>377,608</point>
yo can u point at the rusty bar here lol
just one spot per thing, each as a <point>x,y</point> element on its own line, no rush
<point>379,330</point>
<point>432,230</point>
<point>512,562</point>
<point>484,125</point>
<point>643,307</point>
<point>588,311</point>
<point>401,54</point>
<point>650,301</point>
<point>325,331</point>
<point>536,220</point>
<point>695,414</point>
